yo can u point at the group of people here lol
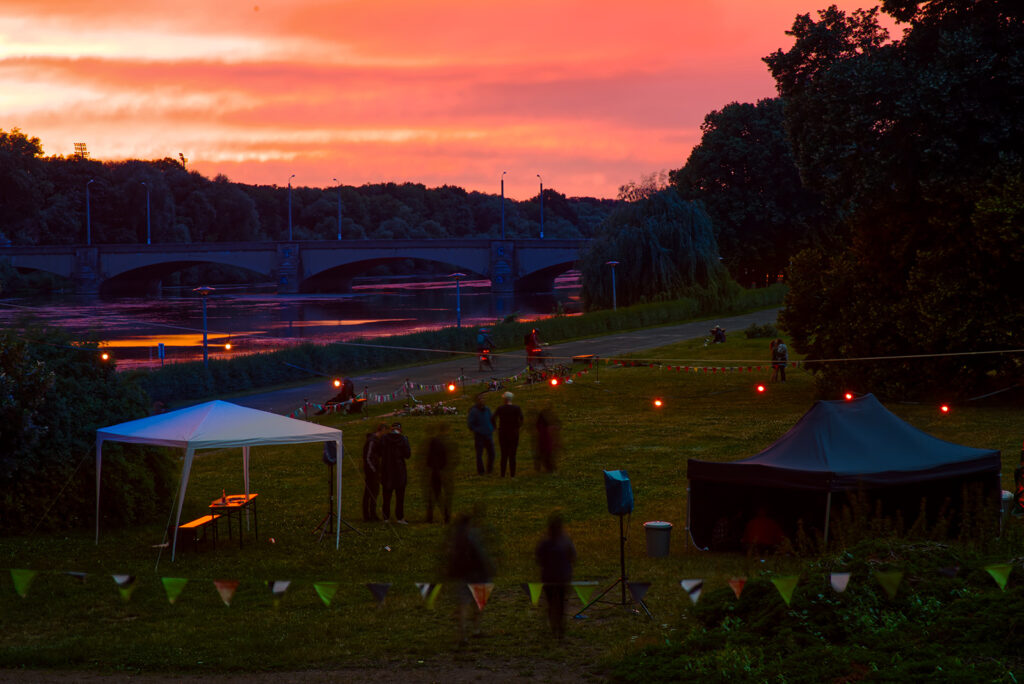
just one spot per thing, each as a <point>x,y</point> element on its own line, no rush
<point>507,420</point>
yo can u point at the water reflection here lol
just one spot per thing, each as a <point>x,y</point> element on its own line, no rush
<point>133,328</point>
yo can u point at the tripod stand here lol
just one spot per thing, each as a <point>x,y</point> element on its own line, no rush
<point>621,581</point>
<point>326,524</point>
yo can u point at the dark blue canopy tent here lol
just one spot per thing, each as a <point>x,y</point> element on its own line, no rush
<point>836,447</point>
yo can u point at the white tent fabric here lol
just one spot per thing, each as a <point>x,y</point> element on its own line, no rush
<point>215,425</point>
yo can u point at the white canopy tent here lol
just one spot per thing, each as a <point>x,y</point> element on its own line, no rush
<point>215,425</point>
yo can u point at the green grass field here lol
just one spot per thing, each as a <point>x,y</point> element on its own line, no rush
<point>609,422</point>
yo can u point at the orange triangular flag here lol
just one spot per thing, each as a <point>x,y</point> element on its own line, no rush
<point>226,589</point>
<point>481,592</point>
<point>736,583</point>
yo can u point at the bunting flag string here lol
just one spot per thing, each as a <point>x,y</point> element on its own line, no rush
<point>173,586</point>
<point>693,587</point>
<point>737,584</point>
<point>839,580</point>
<point>890,581</point>
<point>481,592</point>
<point>429,592</point>
<point>379,590</point>
<point>226,589</point>
<point>277,589</point>
<point>533,590</point>
<point>1000,573</point>
<point>786,585</point>
<point>125,585</point>
<point>638,590</point>
<point>22,581</point>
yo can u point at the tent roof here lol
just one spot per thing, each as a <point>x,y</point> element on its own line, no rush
<point>217,424</point>
<point>840,445</point>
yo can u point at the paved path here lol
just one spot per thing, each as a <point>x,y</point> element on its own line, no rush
<point>607,346</point>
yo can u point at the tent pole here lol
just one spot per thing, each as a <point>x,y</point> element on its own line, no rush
<point>99,463</point>
<point>186,469</point>
<point>337,496</point>
<point>245,477</point>
<point>828,513</point>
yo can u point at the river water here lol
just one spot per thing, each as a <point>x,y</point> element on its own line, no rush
<point>133,329</point>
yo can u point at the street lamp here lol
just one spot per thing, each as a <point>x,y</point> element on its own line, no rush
<point>541,207</point>
<point>458,298</point>
<point>88,214</point>
<point>149,239</point>
<point>613,264</point>
<point>503,204</point>
<point>204,292</point>
<point>290,207</point>
<point>339,207</point>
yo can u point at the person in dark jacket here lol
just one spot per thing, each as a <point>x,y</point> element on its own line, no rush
<point>479,421</point>
<point>372,472</point>
<point>466,562</point>
<point>508,418</point>
<point>395,452</point>
<point>556,555</point>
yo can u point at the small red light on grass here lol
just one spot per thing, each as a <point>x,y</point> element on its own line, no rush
<point>848,396</point>
<point>554,382</point>
<point>658,403</point>
<point>761,389</point>
<point>451,387</point>
<point>944,408</point>
<point>105,356</point>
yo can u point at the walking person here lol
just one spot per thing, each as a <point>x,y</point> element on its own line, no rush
<point>479,421</point>
<point>395,452</point>
<point>440,463</point>
<point>372,472</point>
<point>547,428</point>
<point>508,418</point>
<point>556,555</point>
<point>467,562</point>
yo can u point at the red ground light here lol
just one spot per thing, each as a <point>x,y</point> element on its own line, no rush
<point>761,389</point>
<point>657,403</point>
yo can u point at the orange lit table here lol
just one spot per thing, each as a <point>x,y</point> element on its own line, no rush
<point>232,506</point>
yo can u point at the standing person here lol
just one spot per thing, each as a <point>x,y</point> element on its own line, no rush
<point>547,427</point>
<point>479,421</point>
<point>556,555</point>
<point>371,472</point>
<point>440,462</point>
<point>467,562</point>
<point>771,356</point>
<point>395,452</point>
<point>508,418</point>
<point>781,358</point>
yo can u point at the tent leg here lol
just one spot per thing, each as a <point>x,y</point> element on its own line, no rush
<point>828,513</point>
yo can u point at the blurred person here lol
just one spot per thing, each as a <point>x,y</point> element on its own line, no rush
<point>508,418</point>
<point>547,440</point>
<point>556,554</point>
<point>440,460</point>
<point>372,472</point>
<point>395,451</point>
<point>478,419</point>
<point>466,562</point>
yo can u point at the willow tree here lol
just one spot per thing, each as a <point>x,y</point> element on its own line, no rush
<point>665,248</point>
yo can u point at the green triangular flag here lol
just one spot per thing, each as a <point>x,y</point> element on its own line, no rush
<point>326,591</point>
<point>890,581</point>
<point>23,580</point>
<point>379,590</point>
<point>584,590</point>
<point>534,589</point>
<point>785,585</point>
<point>173,586</point>
<point>125,585</point>
<point>1000,573</point>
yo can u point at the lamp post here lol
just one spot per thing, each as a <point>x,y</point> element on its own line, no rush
<point>541,206</point>
<point>458,298</point>
<point>613,264</point>
<point>204,292</point>
<point>339,207</point>
<point>503,204</point>
<point>290,207</point>
<point>88,214</point>
<point>149,239</point>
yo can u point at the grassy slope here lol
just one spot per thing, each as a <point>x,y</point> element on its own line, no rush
<point>607,425</point>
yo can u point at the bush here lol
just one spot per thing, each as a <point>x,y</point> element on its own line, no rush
<point>761,331</point>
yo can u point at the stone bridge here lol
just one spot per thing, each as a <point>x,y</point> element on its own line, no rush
<point>511,265</point>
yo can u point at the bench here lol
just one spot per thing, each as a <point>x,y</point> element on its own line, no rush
<point>192,528</point>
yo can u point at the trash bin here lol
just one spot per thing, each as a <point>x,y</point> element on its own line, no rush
<point>659,533</point>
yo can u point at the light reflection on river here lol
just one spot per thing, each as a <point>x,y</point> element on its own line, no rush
<point>133,328</point>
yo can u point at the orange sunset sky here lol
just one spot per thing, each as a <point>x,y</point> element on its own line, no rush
<point>589,94</point>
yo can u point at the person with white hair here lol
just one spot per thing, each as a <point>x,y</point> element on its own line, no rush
<point>508,418</point>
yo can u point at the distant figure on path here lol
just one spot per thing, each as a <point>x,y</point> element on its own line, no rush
<point>508,418</point>
<point>395,451</point>
<point>556,555</point>
<point>479,421</point>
